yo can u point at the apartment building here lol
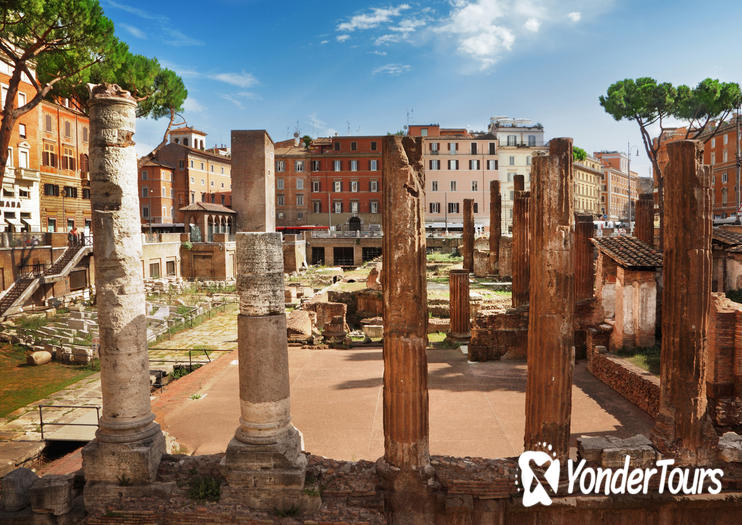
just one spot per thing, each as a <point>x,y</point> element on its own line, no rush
<point>619,188</point>
<point>519,140</point>
<point>588,175</point>
<point>156,193</point>
<point>293,184</point>
<point>458,165</point>
<point>19,202</point>
<point>200,175</point>
<point>720,152</point>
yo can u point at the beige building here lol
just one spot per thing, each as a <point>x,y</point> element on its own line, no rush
<point>458,165</point>
<point>617,186</point>
<point>588,175</point>
<point>519,141</point>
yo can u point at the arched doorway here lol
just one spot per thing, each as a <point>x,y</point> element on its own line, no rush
<point>354,224</point>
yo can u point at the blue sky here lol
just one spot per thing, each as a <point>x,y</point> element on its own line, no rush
<point>370,67</point>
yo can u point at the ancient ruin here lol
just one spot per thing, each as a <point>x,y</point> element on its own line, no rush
<point>495,226</point>
<point>459,304</point>
<point>644,228</point>
<point>521,243</point>
<point>468,235</point>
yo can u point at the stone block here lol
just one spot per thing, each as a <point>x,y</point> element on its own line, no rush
<point>15,489</point>
<point>591,448</point>
<point>112,462</point>
<point>53,494</point>
<point>299,325</point>
<point>38,358</point>
<point>611,452</point>
<point>730,447</point>
<point>373,331</point>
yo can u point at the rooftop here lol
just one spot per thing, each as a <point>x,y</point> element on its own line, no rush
<point>207,206</point>
<point>726,236</point>
<point>628,251</point>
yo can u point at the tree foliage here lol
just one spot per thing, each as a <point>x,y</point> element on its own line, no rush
<point>70,43</point>
<point>578,153</point>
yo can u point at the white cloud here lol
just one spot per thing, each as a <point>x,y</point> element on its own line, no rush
<point>324,42</point>
<point>135,31</point>
<point>243,80</point>
<point>371,19</point>
<point>173,37</point>
<point>532,25</point>
<point>408,25</point>
<point>387,39</point>
<point>392,69</point>
<point>179,39</point>
<point>380,53</point>
<point>192,105</point>
<point>575,16</point>
<point>342,38</point>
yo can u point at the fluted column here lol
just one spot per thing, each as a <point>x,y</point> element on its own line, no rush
<point>406,463</point>
<point>551,304</point>
<point>128,443</point>
<point>584,271</point>
<point>495,226</point>
<point>521,249</point>
<point>644,226</point>
<point>683,427</point>
<point>460,324</point>
<point>468,237</point>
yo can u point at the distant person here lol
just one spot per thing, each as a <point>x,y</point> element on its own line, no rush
<point>72,237</point>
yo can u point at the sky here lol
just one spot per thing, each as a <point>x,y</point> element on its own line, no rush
<point>368,68</point>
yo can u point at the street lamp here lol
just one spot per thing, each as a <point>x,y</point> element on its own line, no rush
<point>628,176</point>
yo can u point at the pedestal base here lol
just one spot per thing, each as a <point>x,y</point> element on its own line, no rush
<point>266,476</point>
<point>123,463</point>
<point>409,494</point>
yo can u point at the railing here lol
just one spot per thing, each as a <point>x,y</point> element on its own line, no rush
<point>353,234</point>
<point>42,423</point>
<point>25,239</point>
<point>190,355</point>
<point>32,270</point>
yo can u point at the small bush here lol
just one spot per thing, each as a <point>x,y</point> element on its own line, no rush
<point>204,488</point>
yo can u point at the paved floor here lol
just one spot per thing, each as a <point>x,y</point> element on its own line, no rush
<point>476,409</point>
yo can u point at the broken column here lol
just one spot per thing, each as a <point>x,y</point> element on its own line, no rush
<point>551,305</point>
<point>683,427</point>
<point>253,177</point>
<point>128,443</point>
<point>263,465</point>
<point>406,464</point>
<point>644,226</point>
<point>583,257</point>
<point>521,248</point>
<point>460,326</point>
<point>468,238</point>
<point>495,226</point>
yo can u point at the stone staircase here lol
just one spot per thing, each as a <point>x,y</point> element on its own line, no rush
<point>15,291</point>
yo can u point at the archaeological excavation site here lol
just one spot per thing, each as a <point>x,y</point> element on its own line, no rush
<point>527,371</point>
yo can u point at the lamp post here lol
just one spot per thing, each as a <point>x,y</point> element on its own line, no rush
<point>628,176</point>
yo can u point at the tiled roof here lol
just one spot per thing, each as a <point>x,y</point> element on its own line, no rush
<point>726,236</point>
<point>208,206</point>
<point>628,251</point>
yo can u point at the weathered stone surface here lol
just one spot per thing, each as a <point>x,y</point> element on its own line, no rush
<point>552,303</point>
<point>683,426</point>
<point>584,271</point>
<point>468,235</point>
<point>373,281</point>
<point>460,324</point>
<point>436,324</point>
<point>15,489</point>
<point>260,283</point>
<point>52,494</point>
<point>499,335</point>
<point>730,447</point>
<point>644,226</point>
<point>299,325</point>
<point>520,253</point>
<point>127,428</point>
<point>495,226</point>
<point>611,451</point>
<point>406,463</point>
<point>637,385</point>
<point>724,362</point>
<point>40,357</point>
<point>253,181</point>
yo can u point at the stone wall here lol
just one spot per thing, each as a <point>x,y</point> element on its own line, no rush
<point>724,362</point>
<point>208,261</point>
<point>496,335</point>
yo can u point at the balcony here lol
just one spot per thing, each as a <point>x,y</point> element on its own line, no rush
<point>353,234</point>
<point>28,174</point>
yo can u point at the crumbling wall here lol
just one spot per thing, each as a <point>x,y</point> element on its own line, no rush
<point>496,335</point>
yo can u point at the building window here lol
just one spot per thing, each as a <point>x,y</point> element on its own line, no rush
<point>511,160</point>
<point>300,200</point>
<point>23,158</point>
<point>492,165</point>
<point>453,185</point>
<point>337,146</point>
<point>337,206</point>
<point>170,267</point>
<point>85,134</point>
<point>317,206</point>
<point>528,160</point>
<point>374,207</point>
<point>68,161</point>
<point>473,148</point>
<point>724,178</point>
<point>473,185</point>
<point>86,193</point>
<point>315,185</point>
<point>453,164</point>
<point>353,146</point>
<point>144,192</point>
<point>476,207</point>
<point>48,123</point>
<point>423,132</point>
<point>512,139</point>
<point>202,166</point>
<point>353,206</point>
<point>338,165</point>
<point>373,165</point>
<point>353,165</point>
<point>435,164</point>
<point>67,130</point>
<point>434,185</point>
<point>315,165</point>
<point>191,163</point>
<point>531,140</point>
<point>474,164</point>
<point>373,145</point>
<point>22,130</point>
<point>354,186</point>
<point>145,211</point>
<point>337,186</point>
<point>22,100</point>
<point>434,147</point>
<point>280,200</point>
<point>154,270</point>
<point>373,185</point>
<point>492,148</point>
<point>723,195</point>
<point>299,184</point>
<point>51,225</point>
<point>51,190</point>
<point>144,174</point>
<point>49,156</point>
<point>453,147</point>
<point>279,184</point>
<point>299,165</point>
<point>435,207</point>
<point>453,207</point>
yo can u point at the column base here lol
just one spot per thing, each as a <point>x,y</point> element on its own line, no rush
<point>409,494</point>
<point>458,339</point>
<point>124,463</point>
<point>267,476</point>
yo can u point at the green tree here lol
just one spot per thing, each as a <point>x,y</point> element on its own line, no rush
<point>578,153</point>
<point>307,140</point>
<point>58,46</point>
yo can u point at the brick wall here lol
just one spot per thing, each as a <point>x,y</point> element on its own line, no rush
<point>496,335</point>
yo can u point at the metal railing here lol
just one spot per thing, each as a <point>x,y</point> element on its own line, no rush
<point>32,270</point>
<point>42,423</point>
<point>190,351</point>
<point>24,239</point>
<point>353,234</point>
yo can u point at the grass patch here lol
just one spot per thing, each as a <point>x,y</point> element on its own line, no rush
<point>31,322</point>
<point>204,488</point>
<point>735,295</point>
<point>646,358</point>
<point>451,258</point>
<point>22,384</point>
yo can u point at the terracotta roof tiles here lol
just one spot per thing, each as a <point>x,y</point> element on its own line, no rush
<point>628,251</point>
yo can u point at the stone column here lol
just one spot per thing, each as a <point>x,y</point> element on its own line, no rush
<point>128,444</point>
<point>584,271</point>
<point>253,181</point>
<point>521,248</point>
<point>468,238</point>
<point>458,284</point>
<point>683,427</point>
<point>495,226</point>
<point>405,467</point>
<point>552,300</point>
<point>644,226</point>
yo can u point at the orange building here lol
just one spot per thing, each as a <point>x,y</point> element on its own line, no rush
<point>619,188</point>
<point>156,193</point>
<point>720,152</point>
<point>293,183</point>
